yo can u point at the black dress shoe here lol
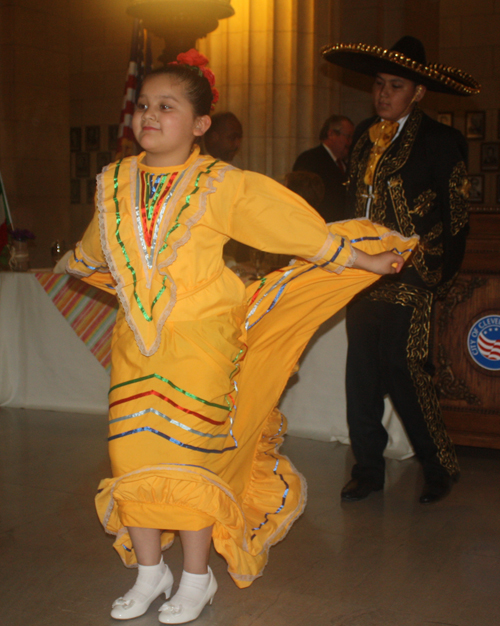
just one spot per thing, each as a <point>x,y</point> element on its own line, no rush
<point>436,489</point>
<point>358,489</point>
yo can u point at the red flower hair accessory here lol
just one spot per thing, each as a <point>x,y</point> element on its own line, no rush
<point>198,62</point>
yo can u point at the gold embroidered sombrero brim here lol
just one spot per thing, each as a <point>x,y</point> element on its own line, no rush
<point>372,60</point>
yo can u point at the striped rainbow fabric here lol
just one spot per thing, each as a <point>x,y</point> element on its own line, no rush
<point>90,312</point>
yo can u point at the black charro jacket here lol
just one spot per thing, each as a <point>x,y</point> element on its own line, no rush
<point>420,187</point>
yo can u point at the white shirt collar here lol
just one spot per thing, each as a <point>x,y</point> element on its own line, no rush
<point>329,152</point>
<point>401,123</point>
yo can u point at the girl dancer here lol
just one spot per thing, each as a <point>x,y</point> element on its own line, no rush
<point>198,363</point>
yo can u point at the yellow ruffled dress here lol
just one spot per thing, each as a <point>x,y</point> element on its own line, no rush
<point>198,362</point>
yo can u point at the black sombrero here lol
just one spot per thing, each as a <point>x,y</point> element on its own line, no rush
<point>406,59</point>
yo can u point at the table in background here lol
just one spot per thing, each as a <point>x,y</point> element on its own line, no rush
<point>44,362</point>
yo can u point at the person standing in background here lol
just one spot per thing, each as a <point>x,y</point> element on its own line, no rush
<point>329,160</point>
<point>223,138</point>
<point>408,173</point>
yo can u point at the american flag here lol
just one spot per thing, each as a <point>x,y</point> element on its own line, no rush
<point>488,343</point>
<point>140,62</point>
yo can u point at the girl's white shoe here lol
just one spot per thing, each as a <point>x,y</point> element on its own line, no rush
<point>190,600</point>
<point>151,582</point>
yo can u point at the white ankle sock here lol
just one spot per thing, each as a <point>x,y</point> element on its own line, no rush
<point>191,589</point>
<point>148,578</point>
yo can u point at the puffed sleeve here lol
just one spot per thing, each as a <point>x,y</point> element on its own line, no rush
<point>87,261</point>
<point>268,216</point>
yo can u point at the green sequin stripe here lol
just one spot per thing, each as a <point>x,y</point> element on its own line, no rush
<point>236,361</point>
<point>188,202</point>
<point>150,204</point>
<point>174,386</point>
<point>148,318</point>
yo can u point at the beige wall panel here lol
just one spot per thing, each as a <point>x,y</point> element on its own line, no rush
<point>359,25</point>
<point>357,5</point>
<point>50,142</point>
<point>274,46</point>
<point>49,177</point>
<point>450,32</point>
<point>53,36</point>
<point>480,29</point>
<point>41,68</point>
<point>472,7</point>
<point>391,24</point>
<point>35,117</point>
<point>477,60</point>
<point>57,8</point>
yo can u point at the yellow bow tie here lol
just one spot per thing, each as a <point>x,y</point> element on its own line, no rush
<point>381,134</point>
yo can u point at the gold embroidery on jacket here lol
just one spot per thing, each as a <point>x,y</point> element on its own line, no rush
<point>430,277</point>
<point>406,226</point>
<point>400,205</point>
<point>417,352</point>
<point>459,195</point>
<point>435,250</point>
<point>434,233</point>
<point>424,203</point>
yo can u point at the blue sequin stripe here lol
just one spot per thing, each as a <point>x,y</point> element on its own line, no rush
<point>168,419</point>
<point>90,267</point>
<point>281,282</point>
<point>380,239</point>
<point>171,439</point>
<point>282,287</point>
<point>285,493</point>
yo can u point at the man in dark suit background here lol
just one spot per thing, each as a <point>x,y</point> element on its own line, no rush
<point>329,161</point>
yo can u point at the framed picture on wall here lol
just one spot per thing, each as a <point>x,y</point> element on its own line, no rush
<point>475,123</point>
<point>82,164</point>
<point>445,118</point>
<point>92,138</point>
<point>75,139</point>
<point>476,191</point>
<point>490,157</point>
<point>74,191</point>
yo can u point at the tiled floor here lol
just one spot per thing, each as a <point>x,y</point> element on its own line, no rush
<point>386,561</point>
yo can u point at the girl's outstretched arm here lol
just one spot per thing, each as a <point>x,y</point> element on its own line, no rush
<point>382,263</point>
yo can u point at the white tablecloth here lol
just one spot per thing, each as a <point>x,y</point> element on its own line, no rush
<point>43,363</point>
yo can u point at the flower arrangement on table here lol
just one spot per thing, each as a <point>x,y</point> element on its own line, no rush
<point>21,234</point>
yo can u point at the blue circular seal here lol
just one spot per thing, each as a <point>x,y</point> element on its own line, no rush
<point>483,342</point>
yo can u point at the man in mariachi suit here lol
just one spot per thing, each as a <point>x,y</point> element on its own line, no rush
<point>407,172</point>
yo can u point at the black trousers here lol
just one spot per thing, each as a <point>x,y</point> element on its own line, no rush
<point>388,332</point>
